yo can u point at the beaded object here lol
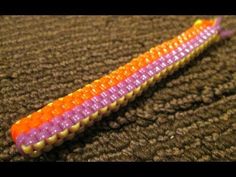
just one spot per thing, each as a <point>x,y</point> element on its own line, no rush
<point>65,117</point>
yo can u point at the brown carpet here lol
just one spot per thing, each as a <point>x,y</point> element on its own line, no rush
<point>189,116</point>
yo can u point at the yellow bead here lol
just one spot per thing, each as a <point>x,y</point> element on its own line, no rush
<point>112,106</point>
<point>103,110</point>
<point>63,133</point>
<point>121,100</point>
<point>129,95</point>
<point>85,121</point>
<point>27,149</point>
<point>74,128</point>
<point>52,139</point>
<point>151,81</point>
<point>137,90</point>
<point>144,86</point>
<point>40,145</point>
<point>198,22</point>
<point>94,115</point>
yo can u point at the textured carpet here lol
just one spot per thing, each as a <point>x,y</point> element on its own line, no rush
<point>189,116</point>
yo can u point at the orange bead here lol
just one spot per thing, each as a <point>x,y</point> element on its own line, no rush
<point>36,115</point>
<point>87,88</point>
<point>105,83</point>
<point>68,102</point>
<point>142,61</point>
<point>148,56</point>
<point>57,103</point>
<point>46,117</point>
<point>120,76</point>
<point>154,54</point>
<point>47,108</point>
<point>78,94</point>
<point>77,101</point>
<point>113,81</point>
<point>57,111</point>
<point>86,96</point>
<point>159,51</point>
<point>96,89</point>
<point>25,121</point>
<point>131,67</point>
<point>15,131</point>
<point>35,122</point>
<point>21,129</point>
<point>135,62</point>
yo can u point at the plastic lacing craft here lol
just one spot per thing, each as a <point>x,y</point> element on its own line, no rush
<point>63,118</point>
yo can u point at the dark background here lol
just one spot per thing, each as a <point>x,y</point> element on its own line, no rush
<point>189,116</point>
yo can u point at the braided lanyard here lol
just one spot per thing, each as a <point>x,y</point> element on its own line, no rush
<point>63,118</point>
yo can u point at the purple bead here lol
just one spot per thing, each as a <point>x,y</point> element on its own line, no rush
<point>20,139</point>
<point>30,140</point>
<point>129,80</point>
<point>113,89</point>
<point>104,94</point>
<point>33,131</point>
<point>137,82</point>
<point>170,61</point>
<point>208,34</point>
<point>200,40</point>
<point>31,137</point>
<point>176,58</point>
<point>54,130</point>
<point>68,114</point>
<point>130,87</point>
<point>97,106</point>
<point>163,64</point>
<point>136,75</point>
<point>87,111</point>
<point>183,46</point>
<point>157,69</point>
<point>122,84</point>
<point>66,124</point>
<point>179,49</point>
<point>168,55</point>
<point>151,73</point>
<point>204,37</point>
<point>88,103</point>
<point>42,135</point>
<point>144,78</point>
<point>150,66</point>
<point>76,117</point>
<point>97,98</point>
<point>78,109</point>
<point>182,54</point>
<point>46,126</point>
<point>122,92</point>
<point>106,101</point>
<point>191,47</point>
<point>174,52</point>
<point>114,97</point>
<point>187,50</point>
<point>195,45</point>
<point>57,120</point>
<point>142,71</point>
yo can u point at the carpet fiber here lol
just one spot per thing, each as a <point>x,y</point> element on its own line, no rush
<point>189,116</point>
